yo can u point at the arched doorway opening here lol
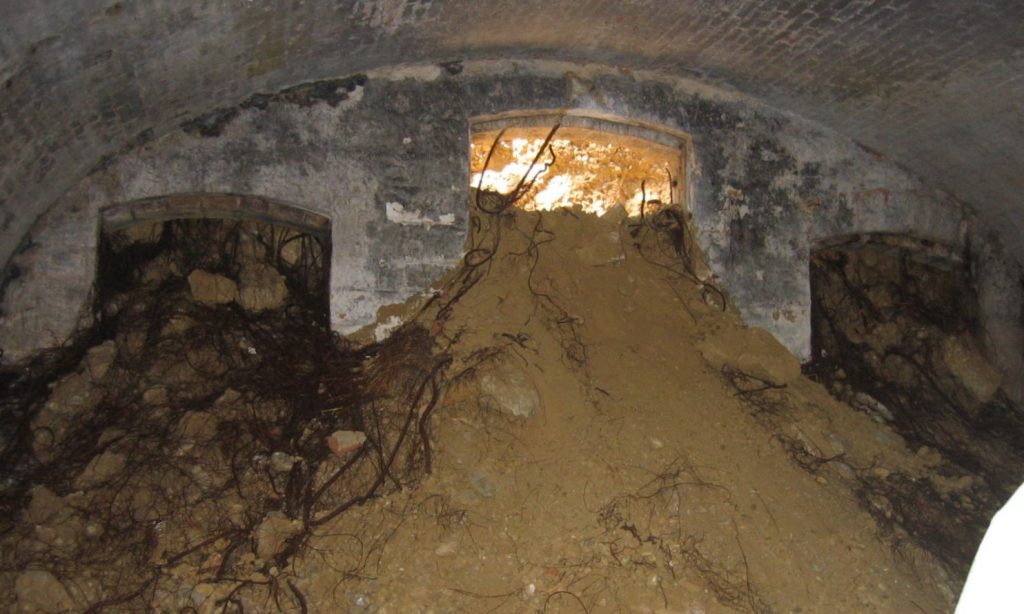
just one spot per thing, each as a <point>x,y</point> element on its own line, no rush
<point>578,159</point>
<point>253,251</point>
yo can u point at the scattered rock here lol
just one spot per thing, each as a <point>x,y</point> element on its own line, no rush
<point>236,514</point>
<point>446,549</point>
<point>970,368</point>
<point>60,536</point>
<point>753,351</point>
<point>210,288</point>
<point>482,485</point>
<point>844,470</point>
<point>179,373</point>
<point>72,396</point>
<point>507,388</point>
<point>41,591</point>
<point>74,393</point>
<point>291,252</point>
<point>208,596</point>
<point>951,485</point>
<point>885,335</point>
<point>207,478</point>
<point>44,506</point>
<point>212,563</point>
<point>206,362</point>
<point>101,469</point>
<point>273,534</point>
<point>228,397</point>
<point>882,504</point>
<point>836,443</point>
<point>143,233</point>
<point>929,456</point>
<point>131,342</point>
<point>873,406</point>
<point>157,270</point>
<point>157,395</point>
<point>888,437</point>
<point>197,426</point>
<point>899,370</point>
<point>177,324</point>
<point>99,359</point>
<point>345,442</point>
<point>261,287</point>
<point>281,462</point>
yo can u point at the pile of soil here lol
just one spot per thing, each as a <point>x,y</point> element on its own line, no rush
<point>572,421</point>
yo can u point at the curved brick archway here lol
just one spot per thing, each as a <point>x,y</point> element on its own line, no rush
<point>217,206</point>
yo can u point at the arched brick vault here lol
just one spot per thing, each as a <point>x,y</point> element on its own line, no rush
<point>934,84</point>
<point>86,86</point>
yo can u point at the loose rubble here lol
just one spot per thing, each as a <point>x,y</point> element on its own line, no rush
<point>577,422</point>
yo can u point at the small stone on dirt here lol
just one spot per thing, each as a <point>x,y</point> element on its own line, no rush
<point>282,463</point>
<point>210,288</point>
<point>100,469</point>
<point>44,506</point>
<point>291,253</point>
<point>157,270</point>
<point>482,485</point>
<point>177,325</point>
<point>974,373</point>
<point>99,359</point>
<point>446,549</point>
<point>197,426</point>
<point>844,470</point>
<point>228,397</point>
<point>144,232</point>
<point>753,351</point>
<point>930,456</point>
<point>873,406</point>
<point>345,442</point>
<point>157,395</point>
<point>261,287</point>
<point>41,591</point>
<point>273,534</point>
<point>951,485</point>
<point>131,343</point>
<point>507,388</point>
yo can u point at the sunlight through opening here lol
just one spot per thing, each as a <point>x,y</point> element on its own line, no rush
<point>592,169</point>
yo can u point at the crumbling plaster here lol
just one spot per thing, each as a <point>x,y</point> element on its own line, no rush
<point>765,186</point>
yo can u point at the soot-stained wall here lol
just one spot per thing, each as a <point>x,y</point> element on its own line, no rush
<point>765,186</point>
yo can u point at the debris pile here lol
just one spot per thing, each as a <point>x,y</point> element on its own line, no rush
<point>187,457</point>
<point>643,477</point>
<point>896,337</point>
<point>575,419</point>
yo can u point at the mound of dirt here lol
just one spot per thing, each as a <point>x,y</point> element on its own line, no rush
<point>554,428</point>
<point>648,479</point>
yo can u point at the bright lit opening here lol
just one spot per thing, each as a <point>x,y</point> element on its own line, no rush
<point>592,168</point>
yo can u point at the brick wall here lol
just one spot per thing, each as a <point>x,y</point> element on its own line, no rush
<point>935,84</point>
<point>765,187</point>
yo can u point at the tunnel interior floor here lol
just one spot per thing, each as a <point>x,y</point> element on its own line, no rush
<point>572,420</point>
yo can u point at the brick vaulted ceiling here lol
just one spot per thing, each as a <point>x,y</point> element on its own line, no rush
<point>934,84</point>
